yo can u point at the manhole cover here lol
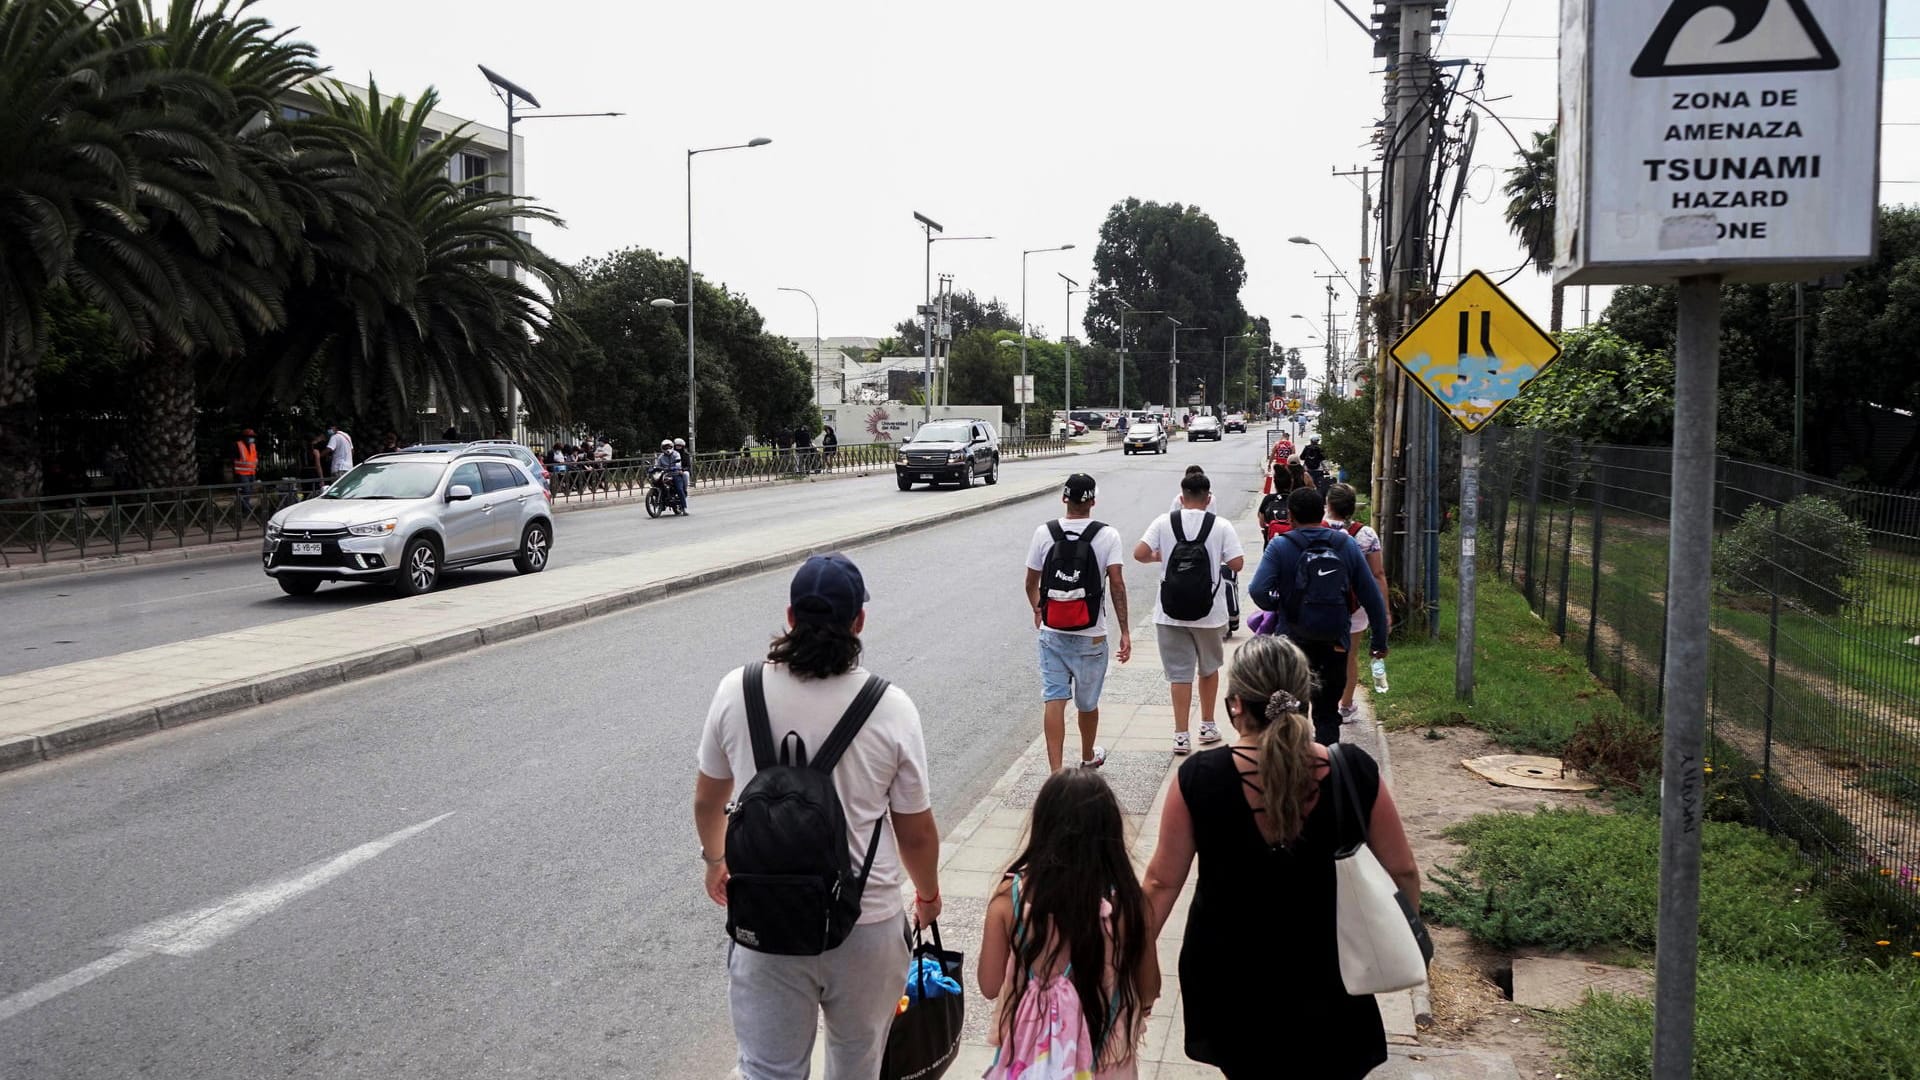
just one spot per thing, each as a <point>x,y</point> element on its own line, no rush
<point>1527,771</point>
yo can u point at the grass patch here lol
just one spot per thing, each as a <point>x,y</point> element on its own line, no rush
<point>1759,1022</point>
<point>1572,879</point>
<point>1529,693</point>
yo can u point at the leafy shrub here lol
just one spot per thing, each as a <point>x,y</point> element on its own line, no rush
<point>1761,1022</point>
<point>1615,750</point>
<point>1821,553</point>
<point>1572,879</point>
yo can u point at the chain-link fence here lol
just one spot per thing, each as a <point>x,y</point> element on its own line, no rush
<point>1814,713</point>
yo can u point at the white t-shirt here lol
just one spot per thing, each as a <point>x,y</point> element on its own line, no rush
<point>340,445</point>
<point>1178,505</point>
<point>1106,551</point>
<point>1369,542</point>
<point>884,768</point>
<point>1223,546</point>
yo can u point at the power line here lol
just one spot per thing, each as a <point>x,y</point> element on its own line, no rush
<point>1501,25</point>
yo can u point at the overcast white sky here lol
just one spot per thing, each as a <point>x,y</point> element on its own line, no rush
<point>1025,120</point>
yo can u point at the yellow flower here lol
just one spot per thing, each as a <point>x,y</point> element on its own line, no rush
<point>1708,769</point>
<point>1883,943</point>
<point>1756,776</point>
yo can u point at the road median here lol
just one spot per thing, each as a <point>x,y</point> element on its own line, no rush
<point>53,712</point>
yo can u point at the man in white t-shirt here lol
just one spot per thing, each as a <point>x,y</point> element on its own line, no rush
<point>811,676</point>
<point>339,451</point>
<point>1180,496</point>
<point>1192,650</point>
<point>1341,500</point>
<point>1073,658</point>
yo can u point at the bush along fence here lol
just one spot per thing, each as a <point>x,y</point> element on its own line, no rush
<point>113,523</point>
<point>1814,712</point>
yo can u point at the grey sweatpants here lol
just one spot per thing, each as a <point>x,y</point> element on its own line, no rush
<point>777,1001</point>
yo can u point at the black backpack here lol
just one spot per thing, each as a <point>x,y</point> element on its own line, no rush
<point>1072,582</point>
<point>1187,588</point>
<point>1319,608</point>
<point>790,886</point>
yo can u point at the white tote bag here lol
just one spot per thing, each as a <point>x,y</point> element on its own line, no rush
<point>1383,944</point>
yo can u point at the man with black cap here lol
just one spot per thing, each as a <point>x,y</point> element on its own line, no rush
<point>1067,562</point>
<point>810,679</point>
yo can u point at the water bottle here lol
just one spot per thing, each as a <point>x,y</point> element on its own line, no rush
<point>1379,675</point>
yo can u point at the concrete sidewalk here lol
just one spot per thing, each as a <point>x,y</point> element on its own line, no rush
<point>1136,727</point>
<point>54,711</point>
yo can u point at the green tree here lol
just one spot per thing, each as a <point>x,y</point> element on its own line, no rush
<point>72,176</point>
<point>969,313</point>
<point>1530,208</point>
<point>1169,257</point>
<point>428,314</point>
<point>629,359</point>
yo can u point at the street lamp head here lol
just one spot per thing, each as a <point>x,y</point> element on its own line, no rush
<point>1066,247</point>
<point>928,222</point>
<point>663,302</point>
<point>761,141</point>
<point>1298,240</point>
<point>1006,343</point>
<point>513,89</point>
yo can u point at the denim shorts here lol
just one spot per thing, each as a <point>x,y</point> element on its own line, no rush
<point>1072,666</point>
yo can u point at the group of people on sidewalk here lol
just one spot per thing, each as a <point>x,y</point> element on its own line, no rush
<point>813,808</point>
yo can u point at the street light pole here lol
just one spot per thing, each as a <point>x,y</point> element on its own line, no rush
<point>816,341</point>
<point>930,226</point>
<point>1124,309</point>
<point>693,388</point>
<point>1024,324</point>
<point>1173,368</point>
<point>1066,343</point>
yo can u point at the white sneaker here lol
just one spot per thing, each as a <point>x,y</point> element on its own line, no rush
<point>1349,713</point>
<point>1182,743</point>
<point>1209,732</point>
<point>1099,758</point>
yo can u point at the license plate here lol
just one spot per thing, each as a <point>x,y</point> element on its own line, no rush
<point>926,476</point>
<point>306,549</point>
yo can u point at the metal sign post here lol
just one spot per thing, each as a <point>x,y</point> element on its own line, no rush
<point>1471,355</point>
<point>1694,152</point>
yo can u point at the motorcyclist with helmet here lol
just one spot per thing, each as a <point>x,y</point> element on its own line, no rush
<point>668,466</point>
<point>686,468</point>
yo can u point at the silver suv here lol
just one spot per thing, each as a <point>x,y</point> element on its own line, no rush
<point>403,518</point>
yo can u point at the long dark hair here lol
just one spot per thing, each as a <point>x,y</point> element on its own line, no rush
<point>816,650</point>
<point>1076,856</point>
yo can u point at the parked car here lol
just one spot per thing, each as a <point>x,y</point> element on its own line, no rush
<point>1090,420</point>
<point>1145,437</point>
<point>403,518</point>
<point>1203,427</point>
<point>949,452</point>
<point>1236,422</point>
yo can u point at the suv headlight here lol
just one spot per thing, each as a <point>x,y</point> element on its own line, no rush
<point>376,528</point>
<point>900,458</point>
<point>273,532</point>
<point>957,457</point>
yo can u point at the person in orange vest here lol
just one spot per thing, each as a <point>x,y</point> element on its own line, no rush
<point>246,466</point>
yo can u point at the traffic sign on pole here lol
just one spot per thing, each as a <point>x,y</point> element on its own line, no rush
<point>1023,389</point>
<point>1474,352</point>
<point>1707,136</point>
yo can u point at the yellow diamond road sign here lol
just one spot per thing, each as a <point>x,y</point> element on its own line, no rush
<point>1475,352</point>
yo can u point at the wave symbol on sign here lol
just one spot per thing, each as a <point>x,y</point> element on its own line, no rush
<point>1735,37</point>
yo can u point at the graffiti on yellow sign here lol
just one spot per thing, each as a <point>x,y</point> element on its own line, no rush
<point>1475,352</point>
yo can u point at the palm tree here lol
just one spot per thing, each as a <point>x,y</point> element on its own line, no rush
<point>1530,208</point>
<point>73,126</point>
<point>225,214</point>
<point>429,315</point>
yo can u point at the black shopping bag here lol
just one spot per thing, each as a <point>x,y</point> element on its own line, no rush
<point>925,1039</point>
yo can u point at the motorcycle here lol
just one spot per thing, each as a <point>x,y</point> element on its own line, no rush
<point>662,494</point>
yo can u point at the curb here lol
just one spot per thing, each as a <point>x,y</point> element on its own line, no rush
<point>22,751</point>
<point>251,547</point>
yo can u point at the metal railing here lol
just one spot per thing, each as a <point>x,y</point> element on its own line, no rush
<point>112,523</point>
<point>1814,710</point>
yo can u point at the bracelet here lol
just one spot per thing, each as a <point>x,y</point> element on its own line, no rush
<point>711,862</point>
<point>918,899</point>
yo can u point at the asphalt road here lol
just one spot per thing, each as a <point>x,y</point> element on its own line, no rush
<point>553,925</point>
<point>81,617</point>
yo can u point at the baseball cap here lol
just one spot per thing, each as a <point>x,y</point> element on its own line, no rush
<point>1080,487</point>
<point>248,431</point>
<point>828,590</point>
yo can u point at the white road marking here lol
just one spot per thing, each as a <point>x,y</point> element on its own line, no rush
<point>193,931</point>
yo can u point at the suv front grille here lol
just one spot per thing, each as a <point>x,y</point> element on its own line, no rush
<point>927,457</point>
<point>313,534</point>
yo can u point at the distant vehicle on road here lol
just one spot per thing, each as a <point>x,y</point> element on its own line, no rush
<point>1093,421</point>
<point>1145,437</point>
<point>949,452</point>
<point>1236,422</point>
<point>1203,427</point>
<point>403,518</point>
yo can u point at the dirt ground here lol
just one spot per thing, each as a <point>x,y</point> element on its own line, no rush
<point>1433,791</point>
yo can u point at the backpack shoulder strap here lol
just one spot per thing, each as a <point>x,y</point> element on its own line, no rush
<point>1292,536</point>
<point>1059,534</point>
<point>1092,528</point>
<point>1354,527</point>
<point>850,723</point>
<point>1206,526</point>
<point>759,725</point>
<point>1179,534</point>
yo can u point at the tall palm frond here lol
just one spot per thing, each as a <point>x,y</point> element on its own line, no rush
<point>1531,207</point>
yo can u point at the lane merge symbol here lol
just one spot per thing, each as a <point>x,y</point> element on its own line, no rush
<point>1735,37</point>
